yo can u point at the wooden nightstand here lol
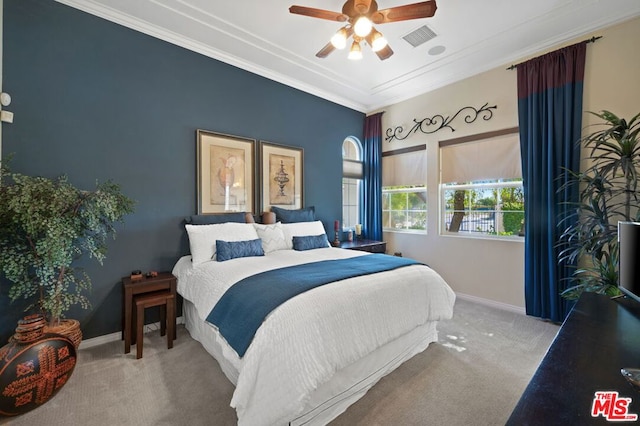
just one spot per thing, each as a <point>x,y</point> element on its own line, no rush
<point>164,281</point>
<point>365,245</point>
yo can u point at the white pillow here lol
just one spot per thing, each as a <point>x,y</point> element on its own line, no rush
<point>272,237</point>
<point>202,238</point>
<point>302,229</point>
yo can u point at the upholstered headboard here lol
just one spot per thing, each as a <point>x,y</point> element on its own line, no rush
<point>306,214</point>
<point>210,219</point>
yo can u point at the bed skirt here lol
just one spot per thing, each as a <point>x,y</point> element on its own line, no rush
<point>347,385</point>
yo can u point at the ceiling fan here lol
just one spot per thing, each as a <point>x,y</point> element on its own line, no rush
<point>360,15</point>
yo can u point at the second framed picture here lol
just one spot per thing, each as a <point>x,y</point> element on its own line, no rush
<point>281,173</point>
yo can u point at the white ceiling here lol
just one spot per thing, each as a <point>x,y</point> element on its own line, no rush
<point>263,37</point>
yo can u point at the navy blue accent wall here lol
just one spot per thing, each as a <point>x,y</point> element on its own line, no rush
<point>97,101</point>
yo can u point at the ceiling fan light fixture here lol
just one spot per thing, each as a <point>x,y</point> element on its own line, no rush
<point>339,39</point>
<point>378,42</point>
<point>358,17</point>
<point>362,27</point>
<point>355,53</point>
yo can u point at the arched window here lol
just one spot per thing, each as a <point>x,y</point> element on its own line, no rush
<point>351,182</point>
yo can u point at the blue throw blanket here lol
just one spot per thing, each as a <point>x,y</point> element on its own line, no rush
<point>244,306</point>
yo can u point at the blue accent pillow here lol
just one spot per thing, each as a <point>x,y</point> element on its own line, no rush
<point>308,214</point>
<point>309,242</point>
<point>227,250</point>
<point>211,219</point>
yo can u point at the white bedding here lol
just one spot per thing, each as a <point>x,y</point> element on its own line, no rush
<point>297,348</point>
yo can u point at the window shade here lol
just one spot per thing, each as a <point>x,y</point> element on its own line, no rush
<point>405,169</point>
<point>487,159</point>
<point>352,169</point>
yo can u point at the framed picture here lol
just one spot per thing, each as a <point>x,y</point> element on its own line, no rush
<point>281,172</point>
<point>226,177</point>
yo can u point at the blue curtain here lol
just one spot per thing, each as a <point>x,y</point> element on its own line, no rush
<point>550,120</point>
<point>371,198</point>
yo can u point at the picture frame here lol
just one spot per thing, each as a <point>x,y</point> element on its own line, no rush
<point>281,176</point>
<point>226,173</point>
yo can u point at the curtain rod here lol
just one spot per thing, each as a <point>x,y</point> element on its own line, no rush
<point>591,40</point>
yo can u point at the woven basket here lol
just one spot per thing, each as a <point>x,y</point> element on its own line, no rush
<point>69,328</point>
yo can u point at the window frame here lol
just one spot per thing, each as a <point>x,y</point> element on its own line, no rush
<point>359,182</point>
<point>408,189</point>
<point>418,179</point>
<point>497,184</point>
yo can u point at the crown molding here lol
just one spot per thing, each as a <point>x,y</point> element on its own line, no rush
<point>155,31</point>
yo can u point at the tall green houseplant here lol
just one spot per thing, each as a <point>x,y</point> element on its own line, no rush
<point>608,190</point>
<point>45,226</point>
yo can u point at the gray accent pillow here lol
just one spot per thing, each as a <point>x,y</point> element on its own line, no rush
<point>272,237</point>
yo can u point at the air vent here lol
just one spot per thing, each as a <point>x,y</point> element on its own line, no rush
<point>419,36</point>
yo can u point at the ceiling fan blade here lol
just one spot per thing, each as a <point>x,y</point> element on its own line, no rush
<point>325,51</point>
<point>318,13</point>
<point>425,9</point>
<point>384,53</point>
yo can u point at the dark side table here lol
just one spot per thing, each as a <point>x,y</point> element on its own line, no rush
<point>164,281</point>
<point>371,246</point>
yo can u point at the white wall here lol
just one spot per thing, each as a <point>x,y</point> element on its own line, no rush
<point>612,74</point>
<point>493,269</point>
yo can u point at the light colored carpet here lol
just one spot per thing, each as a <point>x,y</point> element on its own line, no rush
<point>475,375</point>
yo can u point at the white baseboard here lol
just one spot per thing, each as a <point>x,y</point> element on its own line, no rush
<point>114,337</point>
<point>492,303</point>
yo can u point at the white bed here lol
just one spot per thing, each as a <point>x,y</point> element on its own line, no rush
<point>319,352</point>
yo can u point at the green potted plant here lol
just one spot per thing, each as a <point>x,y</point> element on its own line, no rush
<point>608,190</point>
<point>45,226</point>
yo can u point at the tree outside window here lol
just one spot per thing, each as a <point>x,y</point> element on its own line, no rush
<point>490,207</point>
<point>404,208</point>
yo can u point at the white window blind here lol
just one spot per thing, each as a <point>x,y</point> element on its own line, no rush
<point>352,169</point>
<point>407,168</point>
<point>486,159</point>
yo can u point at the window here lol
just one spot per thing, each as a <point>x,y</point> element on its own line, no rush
<point>351,182</point>
<point>481,185</point>
<point>484,208</point>
<point>404,208</point>
<point>404,191</point>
